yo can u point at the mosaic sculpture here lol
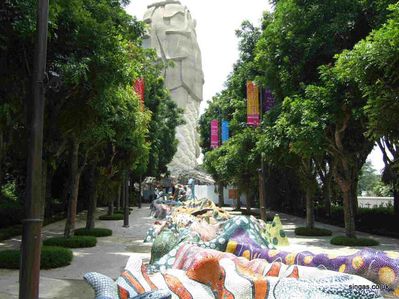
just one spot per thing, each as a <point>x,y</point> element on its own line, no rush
<point>189,261</point>
<point>377,266</point>
<point>222,278</point>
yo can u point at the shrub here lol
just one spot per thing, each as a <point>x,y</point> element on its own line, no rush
<point>9,259</point>
<point>317,232</point>
<point>122,211</point>
<point>72,242</point>
<point>365,220</point>
<point>9,232</point>
<point>95,232</point>
<point>51,257</point>
<point>111,217</point>
<point>55,257</point>
<point>345,241</point>
<point>11,209</point>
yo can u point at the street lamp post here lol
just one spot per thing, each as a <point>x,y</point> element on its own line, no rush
<point>32,224</point>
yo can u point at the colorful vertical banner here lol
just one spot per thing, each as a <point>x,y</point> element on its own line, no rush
<point>225,131</point>
<point>268,100</point>
<point>253,109</point>
<point>214,133</point>
<point>139,89</point>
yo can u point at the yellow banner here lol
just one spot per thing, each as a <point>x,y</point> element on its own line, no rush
<point>253,109</point>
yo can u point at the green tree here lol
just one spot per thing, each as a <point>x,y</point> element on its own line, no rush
<point>372,65</point>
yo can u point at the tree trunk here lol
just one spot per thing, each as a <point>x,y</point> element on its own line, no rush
<point>110,208</point>
<point>126,201</point>
<point>74,191</point>
<point>309,208</point>
<point>1,155</point>
<point>396,199</point>
<point>139,197</point>
<point>344,180</point>
<point>44,186</point>
<point>48,191</point>
<point>118,199</point>
<point>90,223</point>
<point>354,183</point>
<point>249,194</point>
<point>221,195</point>
<point>262,189</point>
<point>349,215</point>
<point>327,194</point>
<point>238,207</point>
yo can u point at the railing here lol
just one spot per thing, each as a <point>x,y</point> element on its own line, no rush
<point>373,202</point>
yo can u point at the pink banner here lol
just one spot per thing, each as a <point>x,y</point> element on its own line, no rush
<point>253,120</point>
<point>214,133</point>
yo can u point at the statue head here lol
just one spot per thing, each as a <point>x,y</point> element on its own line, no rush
<point>163,3</point>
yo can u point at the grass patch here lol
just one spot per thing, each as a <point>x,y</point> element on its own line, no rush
<point>9,232</point>
<point>345,241</point>
<point>51,257</point>
<point>113,217</point>
<point>95,232</point>
<point>72,242</point>
<point>316,232</point>
<point>122,212</point>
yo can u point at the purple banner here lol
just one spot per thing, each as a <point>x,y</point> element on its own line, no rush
<point>268,100</point>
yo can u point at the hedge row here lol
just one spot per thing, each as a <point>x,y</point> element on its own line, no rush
<point>317,232</point>
<point>72,242</point>
<point>51,257</point>
<point>95,232</point>
<point>345,241</point>
<point>113,217</point>
<point>379,221</point>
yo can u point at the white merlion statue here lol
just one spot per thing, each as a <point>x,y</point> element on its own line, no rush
<point>171,32</point>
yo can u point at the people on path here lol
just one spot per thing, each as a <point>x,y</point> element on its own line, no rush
<point>191,185</point>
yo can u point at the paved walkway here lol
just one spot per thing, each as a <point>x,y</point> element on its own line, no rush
<point>322,244</point>
<point>108,257</point>
<point>111,253</point>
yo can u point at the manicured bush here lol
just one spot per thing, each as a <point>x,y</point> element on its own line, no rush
<point>72,242</point>
<point>366,220</point>
<point>122,211</point>
<point>9,259</point>
<point>55,257</point>
<point>317,232</point>
<point>9,232</point>
<point>11,208</point>
<point>95,232</point>
<point>111,217</point>
<point>345,241</point>
<point>51,257</point>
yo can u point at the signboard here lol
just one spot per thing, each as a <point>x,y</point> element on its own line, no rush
<point>139,89</point>
<point>268,100</point>
<point>233,193</point>
<point>225,131</point>
<point>253,113</point>
<point>214,133</point>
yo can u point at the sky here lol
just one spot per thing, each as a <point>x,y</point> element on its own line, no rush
<point>217,21</point>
